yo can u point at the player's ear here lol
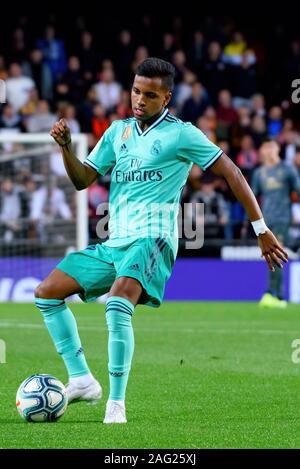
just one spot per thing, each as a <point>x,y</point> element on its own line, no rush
<point>168,98</point>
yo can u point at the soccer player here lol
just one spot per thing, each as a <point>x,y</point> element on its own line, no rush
<point>151,155</point>
<point>275,181</point>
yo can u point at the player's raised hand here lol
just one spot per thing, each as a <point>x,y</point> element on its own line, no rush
<point>61,132</point>
<point>272,250</point>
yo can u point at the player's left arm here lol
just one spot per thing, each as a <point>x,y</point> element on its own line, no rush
<point>271,249</point>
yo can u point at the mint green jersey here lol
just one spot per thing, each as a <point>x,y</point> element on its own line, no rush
<point>150,169</point>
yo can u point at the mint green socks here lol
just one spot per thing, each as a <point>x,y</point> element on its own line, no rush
<point>120,344</point>
<point>62,327</point>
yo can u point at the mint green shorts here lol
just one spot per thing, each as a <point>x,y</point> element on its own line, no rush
<point>148,260</point>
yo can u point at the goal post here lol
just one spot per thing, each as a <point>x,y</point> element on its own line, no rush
<point>42,216</point>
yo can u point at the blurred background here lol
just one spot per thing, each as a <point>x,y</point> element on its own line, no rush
<point>233,81</point>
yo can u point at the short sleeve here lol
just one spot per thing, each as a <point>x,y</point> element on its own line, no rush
<point>194,146</point>
<point>103,157</point>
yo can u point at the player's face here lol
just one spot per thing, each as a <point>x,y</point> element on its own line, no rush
<point>270,152</point>
<point>148,97</point>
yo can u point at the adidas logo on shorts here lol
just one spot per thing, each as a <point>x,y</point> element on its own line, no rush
<point>134,267</point>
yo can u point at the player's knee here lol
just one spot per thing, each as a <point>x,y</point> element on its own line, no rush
<point>43,291</point>
<point>125,293</point>
<point>127,288</point>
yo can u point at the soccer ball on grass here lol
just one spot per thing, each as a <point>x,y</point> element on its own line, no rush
<point>41,398</point>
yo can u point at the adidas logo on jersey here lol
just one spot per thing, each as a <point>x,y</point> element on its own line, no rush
<point>123,148</point>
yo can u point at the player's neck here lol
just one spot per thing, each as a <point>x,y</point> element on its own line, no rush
<point>145,124</point>
<point>272,164</point>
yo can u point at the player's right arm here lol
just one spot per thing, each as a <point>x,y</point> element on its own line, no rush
<point>195,146</point>
<point>80,174</point>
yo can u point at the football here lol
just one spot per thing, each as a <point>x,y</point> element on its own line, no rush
<point>41,398</point>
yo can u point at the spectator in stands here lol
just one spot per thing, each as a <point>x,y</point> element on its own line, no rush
<point>61,93</point>
<point>168,47</point>
<point>108,90</point>
<point>226,114</point>
<point>42,120</point>
<point>291,139</point>
<point>258,105</point>
<point>215,213</point>
<point>215,73</point>
<point>68,112</point>
<point>10,120</point>
<point>274,121</point>
<point>258,130</point>
<point>291,65</point>
<point>85,111</point>
<point>30,107</point>
<point>287,126</point>
<point>210,114</point>
<point>75,81</point>
<point>204,124</point>
<point>234,209</point>
<point>234,50</point>
<point>47,204</point>
<point>124,56</point>
<point>183,90</point>
<point>124,108</point>
<point>40,73</point>
<point>3,69</point>
<point>196,104</point>
<point>88,56</point>
<point>99,121</point>
<point>140,55</point>
<point>196,52</point>
<point>244,83</point>
<point>56,165</point>
<point>241,127</point>
<point>10,210</point>
<point>179,62</point>
<point>18,87</point>
<point>18,50</point>
<point>247,156</point>
<point>54,53</point>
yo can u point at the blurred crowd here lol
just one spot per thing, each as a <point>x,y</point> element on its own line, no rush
<point>228,83</point>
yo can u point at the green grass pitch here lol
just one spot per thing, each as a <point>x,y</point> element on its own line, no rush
<point>205,375</point>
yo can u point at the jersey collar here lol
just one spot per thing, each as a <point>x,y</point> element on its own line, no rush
<point>155,124</point>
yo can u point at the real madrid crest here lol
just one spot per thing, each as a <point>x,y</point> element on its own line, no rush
<point>126,134</point>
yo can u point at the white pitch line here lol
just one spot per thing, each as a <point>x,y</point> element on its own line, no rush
<point>18,325</point>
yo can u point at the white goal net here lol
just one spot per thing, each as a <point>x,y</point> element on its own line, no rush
<point>42,216</point>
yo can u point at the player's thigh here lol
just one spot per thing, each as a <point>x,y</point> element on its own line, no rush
<point>92,268</point>
<point>57,285</point>
<point>149,261</point>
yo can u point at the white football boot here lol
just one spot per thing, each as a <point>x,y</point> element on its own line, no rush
<point>115,412</point>
<point>91,393</point>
